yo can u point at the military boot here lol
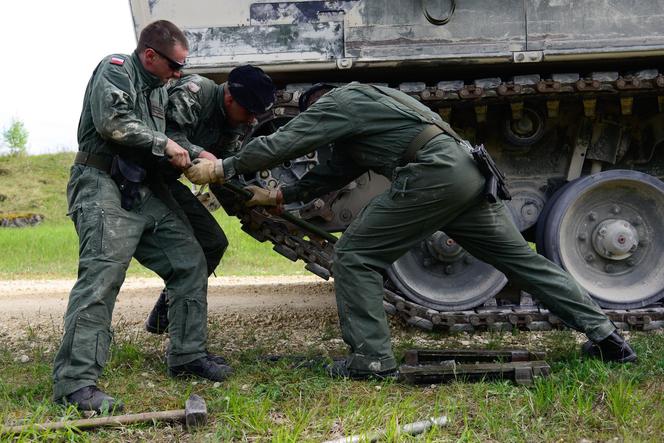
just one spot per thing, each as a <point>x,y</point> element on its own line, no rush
<point>204,367</point>
<point>612,348</point>
<point>91,398</point>
<point>157,321</point>
<point>340,369</point>
<point>218,359</point>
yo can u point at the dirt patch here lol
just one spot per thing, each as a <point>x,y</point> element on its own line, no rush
<point>274,314</point>
<point>292,314</point>
<point>36,301</point>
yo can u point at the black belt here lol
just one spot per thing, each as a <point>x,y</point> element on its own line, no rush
<point>421,139</point>
<point>101,162</point>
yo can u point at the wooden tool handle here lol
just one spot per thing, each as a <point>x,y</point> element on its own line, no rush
<point>114,420</point>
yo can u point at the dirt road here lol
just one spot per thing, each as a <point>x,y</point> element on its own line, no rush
<point>279,314</point>
<point>30,301</point>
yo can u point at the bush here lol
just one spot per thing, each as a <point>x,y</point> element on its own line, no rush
<point>16,138</point>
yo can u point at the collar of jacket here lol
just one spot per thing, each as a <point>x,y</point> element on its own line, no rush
<point>148,80</point>
<point>219,97</point>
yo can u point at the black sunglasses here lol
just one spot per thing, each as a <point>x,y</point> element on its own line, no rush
<point>175,66</point>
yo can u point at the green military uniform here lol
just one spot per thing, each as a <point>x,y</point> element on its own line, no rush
<point>196,120</point>
<point>440,189</point>
<point>123,113</point>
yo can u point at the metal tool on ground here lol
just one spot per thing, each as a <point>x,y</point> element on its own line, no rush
<point>193,415</point>
<point>411,428</point>
<point>441,366</point>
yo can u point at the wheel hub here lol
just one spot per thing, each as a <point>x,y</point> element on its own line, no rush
<point>523,127</point>
<point>609,245</point>
<point>527,130</point>
<point>443,248</point>
<point>615,239</point>
<point>526,204</point>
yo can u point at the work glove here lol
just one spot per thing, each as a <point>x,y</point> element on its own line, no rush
<point>203,171</point>
<point>264,197</point>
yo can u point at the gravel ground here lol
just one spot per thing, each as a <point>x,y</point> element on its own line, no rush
<point>276,314</point>
<point>237,307</point>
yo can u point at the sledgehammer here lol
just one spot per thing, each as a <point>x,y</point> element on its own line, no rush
<point>194,414</point>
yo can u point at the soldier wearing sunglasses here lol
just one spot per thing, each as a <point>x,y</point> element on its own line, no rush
<point>122,209</point>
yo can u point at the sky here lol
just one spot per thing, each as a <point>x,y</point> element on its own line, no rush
<point>49,51</point>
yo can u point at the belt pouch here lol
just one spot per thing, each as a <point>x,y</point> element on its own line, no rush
<point>128,176</point>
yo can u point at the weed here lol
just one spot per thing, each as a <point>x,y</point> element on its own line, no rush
<point>622,399</point>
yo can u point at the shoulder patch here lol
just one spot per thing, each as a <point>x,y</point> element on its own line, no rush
<point>193,87</point>
<point>117,61</point>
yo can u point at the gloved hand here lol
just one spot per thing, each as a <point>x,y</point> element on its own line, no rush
<point>264,197</point>
<point>204,171</point>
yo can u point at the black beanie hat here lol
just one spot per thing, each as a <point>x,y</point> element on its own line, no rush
<point>303,102</point>
<point>252,88</point>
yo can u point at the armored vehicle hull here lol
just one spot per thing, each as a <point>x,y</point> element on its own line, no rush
<point>566,95</point>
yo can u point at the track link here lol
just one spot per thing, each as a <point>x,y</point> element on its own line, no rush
<point>295,244</point>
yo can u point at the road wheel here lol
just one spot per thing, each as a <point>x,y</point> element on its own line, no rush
<point>441,275</point>
<point>606,230</point>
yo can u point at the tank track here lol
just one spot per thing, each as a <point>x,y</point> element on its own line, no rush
<point>552,89</point>
<point>295,243</point>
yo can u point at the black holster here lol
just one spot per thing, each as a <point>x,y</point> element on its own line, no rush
<point>128,176</point>
<point>495,187</point>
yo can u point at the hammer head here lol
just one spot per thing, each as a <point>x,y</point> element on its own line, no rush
<point>195,412</point>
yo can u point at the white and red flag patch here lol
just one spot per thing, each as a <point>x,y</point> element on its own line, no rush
<point>117,61</point>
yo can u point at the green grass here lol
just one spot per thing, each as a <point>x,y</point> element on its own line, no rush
<point>36,184</point>
<point>50,250</point>
<point>280,403</point>
<point>275,402</point>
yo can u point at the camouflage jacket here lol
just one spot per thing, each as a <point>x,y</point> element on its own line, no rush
<point>370,131</point>
<point>196,118</point>
<point>123,111</point>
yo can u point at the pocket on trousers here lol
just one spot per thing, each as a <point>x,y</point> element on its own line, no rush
<point>103,347</point>
<point>89,222</point>
<point>399,186</point>
<point>91,343</point>
<point>195,325</point>
<point>193,312</point>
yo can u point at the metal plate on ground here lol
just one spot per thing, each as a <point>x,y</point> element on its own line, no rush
<point>443,366</point>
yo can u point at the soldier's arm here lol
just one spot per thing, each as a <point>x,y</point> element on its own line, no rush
<point>182,115</point>
<point>112,102</point>
<point>325,177</point>
<point>322,123</point>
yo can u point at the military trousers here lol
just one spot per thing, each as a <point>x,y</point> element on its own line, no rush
<point>442,190</point>
<point>108,238</point>
<point>207,231</point>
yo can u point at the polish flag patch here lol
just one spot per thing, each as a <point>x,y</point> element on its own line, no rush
<point>117,61</point>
